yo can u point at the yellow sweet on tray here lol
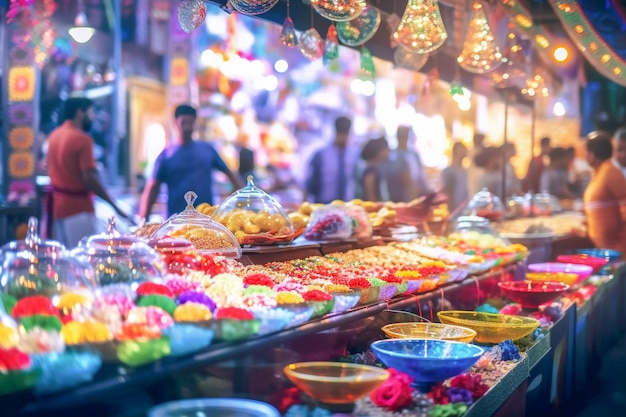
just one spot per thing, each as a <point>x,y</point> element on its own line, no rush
<point>192,312</point>
<point>8,337</point>
<point>75,332</point>
<point>202,238</point>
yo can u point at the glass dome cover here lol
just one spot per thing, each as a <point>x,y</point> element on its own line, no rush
<point>35,267</point>
<point>120,259</point>
<point>33,241</point>
<point>475,226</point>
<point>255,217</point>
<point>485,204</point>
<point>206,235</point>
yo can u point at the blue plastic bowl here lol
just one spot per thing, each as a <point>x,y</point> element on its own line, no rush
<point>222,407</point>
<point>428,361</point>
<point>610,255</point>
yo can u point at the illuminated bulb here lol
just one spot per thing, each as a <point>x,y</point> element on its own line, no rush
<point>558,109</point>
<point>271,83</point>
<point>281,66</point>
<point>356,86</point>
<point>464,105</point>
<point>369,88</point>
<point>561,54</point>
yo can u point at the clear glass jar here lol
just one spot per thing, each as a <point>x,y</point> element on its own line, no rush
<point>205,234</point>
<point>485,204</point>
<point>477,229</point>
<point>37,267</point>
<point>120,259</point>
<point>255,217</point>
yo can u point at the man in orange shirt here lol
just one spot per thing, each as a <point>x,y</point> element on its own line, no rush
<point>73,176</point>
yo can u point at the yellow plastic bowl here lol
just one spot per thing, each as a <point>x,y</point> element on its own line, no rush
<point>564,277</point>
<point>429,331</point>
<point>490,328</point>
<point>335,382</point>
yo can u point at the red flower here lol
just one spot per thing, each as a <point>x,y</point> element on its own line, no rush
<point>317,295</point>
<point>472,383</point>
<point>37,304</point>
<point>150,288</point>
<point>13,360</point>
<point>439,395</point>
<point>394,393</point>
<point>283,400</point>
<point>233,313</point>
<point>258,279</point>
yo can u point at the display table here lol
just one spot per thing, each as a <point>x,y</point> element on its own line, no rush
<point>543,382</point>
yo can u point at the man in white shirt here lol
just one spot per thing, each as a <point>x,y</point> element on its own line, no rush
<point>619,149</point>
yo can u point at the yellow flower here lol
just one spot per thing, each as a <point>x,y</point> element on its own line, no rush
<point>21,83</point>
<point>179,74</point>
<point>21,165</point>
<point>21,138</point>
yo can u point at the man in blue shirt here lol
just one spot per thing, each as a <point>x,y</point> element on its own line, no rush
<point>186,165</point>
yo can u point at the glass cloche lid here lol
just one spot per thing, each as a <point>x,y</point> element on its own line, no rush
<point>478,230</point>
<point>42,268</point>
<point>33,241</point>
<point>120,259</point>
<point>255,217</point>
<point>206,235</point>
<point>485,204</point>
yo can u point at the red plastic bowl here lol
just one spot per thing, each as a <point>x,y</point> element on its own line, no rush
<point>532,294</point>
<point>592,261</point>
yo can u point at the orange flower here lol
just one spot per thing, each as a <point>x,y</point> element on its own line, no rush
<point>21,83</point>
<point>179,71</point>
<point>21,165</point>
<point>21,138</point>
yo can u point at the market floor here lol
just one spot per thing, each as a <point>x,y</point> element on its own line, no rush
<point>610,397</point>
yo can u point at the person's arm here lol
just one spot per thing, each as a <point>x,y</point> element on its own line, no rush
<point>148,198</point>
<point>219,164</point>
<point>616,183</point>
<point>89,174</point>
<point>369,187</point>
<point>151,190</point>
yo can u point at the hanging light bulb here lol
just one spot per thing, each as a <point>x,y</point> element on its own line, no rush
<point>409,60</point>
<point>81,32</point>
<point>421,29</point>
<point>512,72</point>
<point>288,35</point>
<point>311,44</point>
<point>339,10</point>
<point>191,14</point>
<point>480,52</point>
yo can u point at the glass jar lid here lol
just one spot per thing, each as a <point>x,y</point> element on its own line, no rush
<point>485,204</point>
<point>204,233</point>
<point>33,242</point>
<point>120,259</point>
<point>255,217</point>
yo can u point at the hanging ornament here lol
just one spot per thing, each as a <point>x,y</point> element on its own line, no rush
<point>421,29</point>
<point>331,45</point>
<point>409,60</point>
<point>191,14</point>
<point>311,44</point>
<point>252,7</point>
<point>512,73</point>
<point>288,33</point>
<point>368,69</point>
<point>360,30</point>
<point>480,52</point>
<point>339,10</point>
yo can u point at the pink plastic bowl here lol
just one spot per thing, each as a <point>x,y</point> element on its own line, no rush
<point>583,271</point>
<point>592,261</point>
<point>532,294</point>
